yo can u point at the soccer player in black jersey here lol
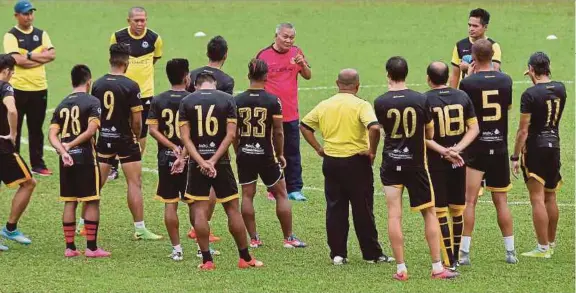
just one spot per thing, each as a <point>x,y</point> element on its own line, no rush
<point>487,157</point>
<point>260,152</point>
<point>163,123</point>
<point>14,172</point>
<point>119,132</point>
<point>407,122</point>
<point>455,127</point>
<point>208,127</point>
<point>72,129</point>
<point>538,142</point>
<point>217,53</point>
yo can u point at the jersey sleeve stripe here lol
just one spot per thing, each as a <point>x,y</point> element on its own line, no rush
<point>278,116</point>
<point>182,123</point>
<point>55,126</point>
<point>152,122</point>
<point>472,121</point>
<point>430,124</point>
<point>94,119</point>
<point>138,108</point>
<point>232,120</point>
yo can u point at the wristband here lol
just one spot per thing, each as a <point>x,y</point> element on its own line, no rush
<point>29,55</point>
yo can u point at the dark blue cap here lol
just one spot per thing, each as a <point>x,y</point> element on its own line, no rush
<point>23,6</point>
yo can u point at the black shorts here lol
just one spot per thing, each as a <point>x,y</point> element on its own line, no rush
<point>249,168</point>
<point>417,181</point>
<point>13,171</point>
<point>198,186</point>
<point>80,182</point>
<point>543,164</point>
<point>496,170</point>
<point>449,188</point>
<point>127,152</point>
<point>146,103</point>
<point>171,188</point>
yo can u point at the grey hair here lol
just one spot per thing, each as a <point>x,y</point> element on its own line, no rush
<point>285,25</point>
<point>135,9</point>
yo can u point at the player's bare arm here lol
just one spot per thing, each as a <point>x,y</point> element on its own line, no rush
<point>60,149</point>
<point>84,136</point>
<point>163,140</point>
<point>231,131</point>
<point>471,134</point>
<point>191,149</point>
<point>278,140</point>
<point>136,123</point>
<point>306,72</point>
<point>10,104</point>
<point>521,137</point>
<point>23,61</point>
<point>46,56</point>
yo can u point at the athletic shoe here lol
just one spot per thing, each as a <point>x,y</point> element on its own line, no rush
<point>292,242</point>
<point>145,234</point>
<point>176,255</point>
<point>271,196</point>
<point>15,235</point>
<point>401,276</point>
<point>208,266</point>
<point>254,263</point>
<point>382,258</point>
<point>538,253</point>
<point>3,247</point>
<point>297,196</point>
<point>213,252</point>
<point>212,238</point>
<point>255,243</point>
<point>42,171</point>
<point>552,248</point>
<point>464,258</point>
<point>511,257</point>
<point>338,260</point>
<point>192,233</point>
<point>71,253</point>
<point>97,253</point>
<point>445,274</point>
<point>113,174</point>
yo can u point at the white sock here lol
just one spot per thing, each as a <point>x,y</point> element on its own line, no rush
<point>552,244</point>
<point>465,243</point>
<point>139,225</point>
<point>543,247</point>
<point>177,248</point>
<point>401,267</point>
<point>509,243</point>
<point>437,266</point>
<point>81,221</point>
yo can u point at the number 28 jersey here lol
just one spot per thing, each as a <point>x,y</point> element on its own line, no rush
<point>491,95</point>
<point>208,112</point>
<point>404,115</point>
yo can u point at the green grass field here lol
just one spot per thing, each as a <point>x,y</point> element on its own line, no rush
<point>333,35</point>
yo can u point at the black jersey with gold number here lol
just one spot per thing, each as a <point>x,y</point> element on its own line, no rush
<point>224,82</point>
<point>119,97</point>
<point>208,112</point>
<point>6,146</point>
<point>403,115</point>
<point>72,117</point>
<point>256,112</point>
<point>544,102</point>
<point>452,111</point>
<point>164,113</point>
<point>491,95</point>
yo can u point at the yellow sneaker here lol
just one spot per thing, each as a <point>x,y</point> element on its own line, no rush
<point>538,253</point>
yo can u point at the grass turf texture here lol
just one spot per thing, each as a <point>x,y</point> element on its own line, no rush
<point>333,36</point>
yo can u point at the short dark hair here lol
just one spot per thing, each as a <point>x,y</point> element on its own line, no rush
<point>7,61</point>
<point>257,70</point>
<point>80,75</point>
<point>397,68</point>
<point>482,50</point>
<point>217,48</point>
<point>540,62</point>
<point>482,14</point>
<point>204,77</point>
<point>438,73</point>
<point>177,69</point>
<point>119,54</point>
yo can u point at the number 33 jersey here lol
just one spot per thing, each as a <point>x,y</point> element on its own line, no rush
<point>208,112</point>
<point>491,95</point>
<point>72,117</point>
<point>404,115</point>
<point>119,97</point>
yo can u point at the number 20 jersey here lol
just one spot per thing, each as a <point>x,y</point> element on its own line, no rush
<point>491,95</point>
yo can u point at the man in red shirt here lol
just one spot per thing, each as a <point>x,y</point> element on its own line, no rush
<point>285,61</point>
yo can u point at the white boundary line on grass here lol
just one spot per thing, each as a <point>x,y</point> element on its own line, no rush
<point>154,171</point>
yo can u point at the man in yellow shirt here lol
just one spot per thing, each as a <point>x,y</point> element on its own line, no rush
<point>346,122</point>
<point>31,48</point>
<point>145,49</point>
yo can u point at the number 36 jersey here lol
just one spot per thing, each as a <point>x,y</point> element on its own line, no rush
<point>72,117</point>
<point>164,113</point>
<point>208,112</point>
<point>491,95</point>
<point>119,97</point>
<point>404,115</point>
